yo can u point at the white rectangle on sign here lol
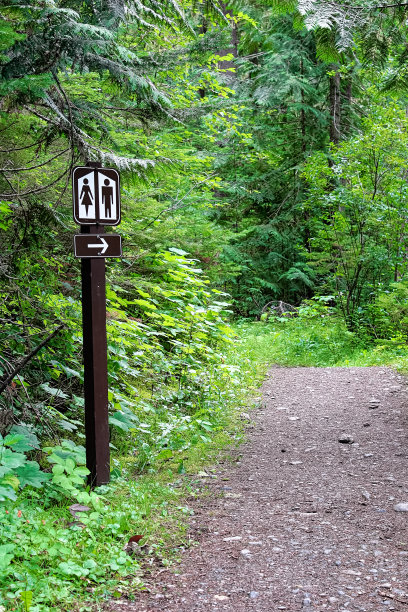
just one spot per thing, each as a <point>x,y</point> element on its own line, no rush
<point>86,196</point>
<point>107,198</point>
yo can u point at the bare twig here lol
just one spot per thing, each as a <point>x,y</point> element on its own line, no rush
<point>34,167</point>
<point>390,596</point>
<point>177,205</point>
<point>28,358</point>
<point>26,147</point>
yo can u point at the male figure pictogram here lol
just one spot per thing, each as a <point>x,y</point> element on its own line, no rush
<point>86,195</point>
<point>107,197</point>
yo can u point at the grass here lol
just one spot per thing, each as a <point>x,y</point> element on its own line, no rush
<point>319,341</point>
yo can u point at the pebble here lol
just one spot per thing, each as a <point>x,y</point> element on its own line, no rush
<point>245,552</point>
<point>232,539</point>
<point>221,597</point>
<point>401,507</point>
<point>253,594</point>
<point>374,403</point>
<point>307,602</point>
<point>345,439</point>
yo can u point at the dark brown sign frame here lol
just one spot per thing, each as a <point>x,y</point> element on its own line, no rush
<point>96,196</point>
<point>88,246</point>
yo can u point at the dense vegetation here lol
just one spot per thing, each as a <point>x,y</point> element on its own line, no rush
<point>263,150</point>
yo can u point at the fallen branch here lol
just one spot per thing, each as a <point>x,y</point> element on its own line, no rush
<point>390,596</point>
<point>24,362</point>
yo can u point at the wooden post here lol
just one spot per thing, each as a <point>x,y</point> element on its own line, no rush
<point>95,364</point>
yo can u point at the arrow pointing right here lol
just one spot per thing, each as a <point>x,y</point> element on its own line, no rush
<point>104,245</point>
<point>107,245</point>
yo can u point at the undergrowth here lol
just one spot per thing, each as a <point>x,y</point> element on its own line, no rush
<point>320,341</point>
<point>55,555</point>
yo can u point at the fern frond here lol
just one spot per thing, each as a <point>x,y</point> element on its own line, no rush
<point>283,7</point>
<point>326,50</point>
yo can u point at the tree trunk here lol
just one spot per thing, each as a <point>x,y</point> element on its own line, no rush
<point>233,49</point>
<point>302,112</point>
<point>335,108</point>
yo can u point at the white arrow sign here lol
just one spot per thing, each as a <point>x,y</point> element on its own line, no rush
<point>108,245</point>
<point>98,246</point>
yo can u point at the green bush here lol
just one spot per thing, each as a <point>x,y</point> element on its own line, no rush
<point>387,317</point>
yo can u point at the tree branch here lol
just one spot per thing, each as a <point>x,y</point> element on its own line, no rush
<point>28,358</point>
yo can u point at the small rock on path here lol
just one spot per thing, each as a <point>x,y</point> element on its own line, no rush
<point>309,523</point>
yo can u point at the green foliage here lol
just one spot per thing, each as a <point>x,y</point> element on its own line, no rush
<point>386,318</point>
<point>356,209</point>
<point>232,192</point>
<point>68,471</point>
<point>16,471</point>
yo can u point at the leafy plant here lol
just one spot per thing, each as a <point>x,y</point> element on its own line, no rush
<point>16,471</point>
<point>68,471</point>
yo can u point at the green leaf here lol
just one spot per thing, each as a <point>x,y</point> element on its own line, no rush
<point>177,251</point>
<point>30,475</point>
<point>67,425</point>
<point>69,465</point>
<point>64,482</point>
<point>12,439</point>
<point>5,494</point>
<point>54,458</point>
<point>10,480</point>
<point>52,391</point>
<point>166,453</point>
<point>6,555</point>
<point>81,471</point>
<point>70,568</point>
<point>145,304</point>
<point>27,599</point>
<point>58,469</point>
<point>10,460</point>
<point>30,441</point>
<point>122,420</point>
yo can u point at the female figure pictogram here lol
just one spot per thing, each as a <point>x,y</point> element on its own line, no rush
<point>86,195</point>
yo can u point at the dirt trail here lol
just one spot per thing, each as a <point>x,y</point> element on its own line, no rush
<point>305,521</point>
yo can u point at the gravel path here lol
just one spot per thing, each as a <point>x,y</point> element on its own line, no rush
<point>304,521</point>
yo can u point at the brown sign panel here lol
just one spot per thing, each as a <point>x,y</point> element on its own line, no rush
<point>97,245</point>
<point>96,195</point>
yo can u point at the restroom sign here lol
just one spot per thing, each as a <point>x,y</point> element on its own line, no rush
<point>96,196</point>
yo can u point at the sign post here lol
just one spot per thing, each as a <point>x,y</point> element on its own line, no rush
<point>96,199</point>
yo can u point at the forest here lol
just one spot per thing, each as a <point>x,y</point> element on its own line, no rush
<point>262,149</point>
